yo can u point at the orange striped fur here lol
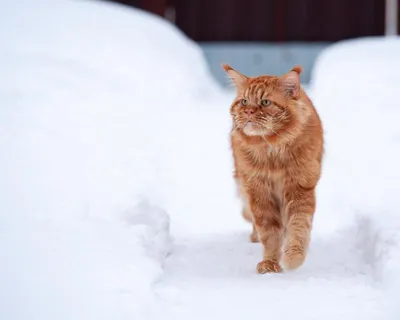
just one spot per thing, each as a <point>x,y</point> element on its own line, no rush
<point>277,145</point>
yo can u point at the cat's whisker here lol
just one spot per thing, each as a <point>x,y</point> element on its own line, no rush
<point>274,131</point>
<point>264,138</point>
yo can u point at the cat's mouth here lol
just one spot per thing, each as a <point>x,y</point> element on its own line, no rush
<point>252,128</point>
<point>250,123</point>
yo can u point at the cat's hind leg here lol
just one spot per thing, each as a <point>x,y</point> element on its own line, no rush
<point>248,216</point>
<point>254,237</point>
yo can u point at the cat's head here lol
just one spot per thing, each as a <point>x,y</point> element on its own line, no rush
<point>264,105</point>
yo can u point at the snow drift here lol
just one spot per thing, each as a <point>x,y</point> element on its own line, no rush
<point>355,85</point>
<point>86,91</point>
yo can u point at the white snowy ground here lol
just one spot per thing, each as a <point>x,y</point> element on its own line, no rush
<point>114,154</point>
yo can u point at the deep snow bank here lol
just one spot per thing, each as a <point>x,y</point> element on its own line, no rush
<point>85,89</point>
<point>355,86</point>
<point>86,268</point>
<point>87,92</point>
<point>128,49</point>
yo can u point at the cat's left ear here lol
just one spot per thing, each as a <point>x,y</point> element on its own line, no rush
<point>238,79</point>
<point>290,82</point>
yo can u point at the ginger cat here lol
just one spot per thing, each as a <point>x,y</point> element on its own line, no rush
<point>277,145</point>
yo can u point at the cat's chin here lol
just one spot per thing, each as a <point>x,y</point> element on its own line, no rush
<point>251,129</point>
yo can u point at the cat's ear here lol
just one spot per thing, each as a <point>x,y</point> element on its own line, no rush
<point>290,82</point>
<point>238,79</point>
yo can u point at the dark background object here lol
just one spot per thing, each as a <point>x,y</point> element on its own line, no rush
<point>271,20</point>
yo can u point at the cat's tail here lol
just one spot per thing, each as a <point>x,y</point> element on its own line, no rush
<point>296,241</point>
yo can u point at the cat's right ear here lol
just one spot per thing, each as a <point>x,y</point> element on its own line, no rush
<point>238,79</point>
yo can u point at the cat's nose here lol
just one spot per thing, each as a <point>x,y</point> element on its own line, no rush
<point>249,111</point>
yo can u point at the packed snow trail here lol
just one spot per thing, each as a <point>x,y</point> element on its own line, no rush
<point>213,277</point>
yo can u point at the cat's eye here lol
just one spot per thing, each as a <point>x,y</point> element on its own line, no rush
<point>243,102</point>
<point>265,102</point>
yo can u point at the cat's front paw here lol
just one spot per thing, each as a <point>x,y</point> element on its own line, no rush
<point>268,266</point>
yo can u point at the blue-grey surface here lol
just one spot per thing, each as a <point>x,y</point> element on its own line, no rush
<point>261,58</point>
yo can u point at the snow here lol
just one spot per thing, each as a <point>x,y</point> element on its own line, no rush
<point>355,85</point>
<point>117,200</point>
<point>85,91</point>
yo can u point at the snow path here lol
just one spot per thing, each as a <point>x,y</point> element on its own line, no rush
<point>213,275</point>
<point>219,271</point>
